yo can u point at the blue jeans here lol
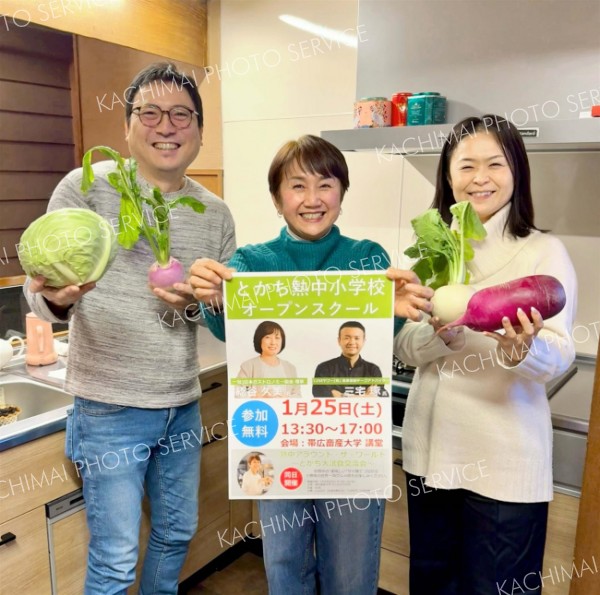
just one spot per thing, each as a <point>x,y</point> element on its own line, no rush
<point>119,451</point>
<point>332,543</point>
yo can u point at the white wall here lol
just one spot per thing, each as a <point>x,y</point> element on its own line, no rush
<point>485,56</point>
<point>278,83</point>
<point>566,199</point>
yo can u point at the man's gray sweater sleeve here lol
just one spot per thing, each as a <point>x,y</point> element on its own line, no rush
<point>128,347</point>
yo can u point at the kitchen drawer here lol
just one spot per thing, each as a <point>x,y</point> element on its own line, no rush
<point>214,494</point>
<point>70,538</point>
<point>213,513</point>
<point>33,474</point>
<point>395,527</point>
<point>393,572</point>
<point>208,543</point>
<point>241,518</point>
<point>213,405</point>
<point>24,561</point>
<point>568,458</point>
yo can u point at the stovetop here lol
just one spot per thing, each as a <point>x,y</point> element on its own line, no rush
<point>402,372</point>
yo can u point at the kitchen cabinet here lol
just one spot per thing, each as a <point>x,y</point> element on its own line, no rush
<point>137,24</point>
<point>24,560</point>
<point>213,507</point>
<point>30,476</point>
<point>38,472</point>
<point>33,474</point>
<point>393,574</point>
<point>219,518</point>
<point>69,539</point>
<point>560,541</point>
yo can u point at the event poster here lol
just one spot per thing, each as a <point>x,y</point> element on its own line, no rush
<point>309,359</point>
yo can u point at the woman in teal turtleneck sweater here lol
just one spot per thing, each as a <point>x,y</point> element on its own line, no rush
<point>339,551</point>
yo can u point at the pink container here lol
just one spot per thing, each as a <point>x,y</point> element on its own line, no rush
<point>372,112</point>
<point>40,342</point>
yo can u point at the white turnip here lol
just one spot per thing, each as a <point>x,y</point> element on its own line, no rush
<point>450,301</point>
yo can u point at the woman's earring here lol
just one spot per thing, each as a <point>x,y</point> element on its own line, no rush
<point>279,213</point>
<point>341,211</point>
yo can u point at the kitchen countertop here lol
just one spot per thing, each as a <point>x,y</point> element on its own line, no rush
<point>211,357</point>
<point>570,405</point>
<point>211,351</point>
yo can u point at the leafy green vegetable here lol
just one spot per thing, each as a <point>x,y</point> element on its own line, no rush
<point>68,247</point>
<point>442,252</point>
<point>132,222</point>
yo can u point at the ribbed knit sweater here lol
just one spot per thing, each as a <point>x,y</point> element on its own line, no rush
<point>126,346</point>
<point>470,421</point>
<point>333,252</point>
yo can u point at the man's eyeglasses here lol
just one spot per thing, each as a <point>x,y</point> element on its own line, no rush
<point>151,115</point>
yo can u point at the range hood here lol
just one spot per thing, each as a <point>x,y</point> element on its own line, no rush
<point>544,136</point>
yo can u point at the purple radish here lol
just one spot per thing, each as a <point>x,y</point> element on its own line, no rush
<point>165,277</point>
<point>488,306</point>
<point>155,229</point>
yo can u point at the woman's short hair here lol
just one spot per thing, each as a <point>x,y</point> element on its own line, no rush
<point>265,328</point>
<point>313,155</point>
<point>253,457</point>
<point>520,221</point>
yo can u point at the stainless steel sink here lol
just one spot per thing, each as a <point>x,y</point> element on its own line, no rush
<point>32,397</point>
<point>43,409</point>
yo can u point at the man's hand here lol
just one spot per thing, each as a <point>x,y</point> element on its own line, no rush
<point>206,280</point>
<point>59,298</point>
<point>180,298</point>
<point>410,297</point>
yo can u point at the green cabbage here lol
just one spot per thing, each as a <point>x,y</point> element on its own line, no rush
<point>68,247</point>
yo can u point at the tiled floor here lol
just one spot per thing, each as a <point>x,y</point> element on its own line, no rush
<point>244,576</point>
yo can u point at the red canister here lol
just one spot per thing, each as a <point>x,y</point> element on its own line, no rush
<point>399,108</point>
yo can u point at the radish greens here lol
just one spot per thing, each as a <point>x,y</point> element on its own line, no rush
<point>133,223</point>
<point>443,252</point>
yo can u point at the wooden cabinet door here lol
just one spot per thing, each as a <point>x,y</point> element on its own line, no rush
<point>33,474</point>
<point>70,543</point>
<point>214,493</point>
<point>24,560</point>
<point>393,573</point>
<point>395,526</point>
<point>213,406</point>
<point>212,538</point>
<point>560,546</point>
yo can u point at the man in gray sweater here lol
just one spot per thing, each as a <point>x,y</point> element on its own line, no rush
<point>133,365</point>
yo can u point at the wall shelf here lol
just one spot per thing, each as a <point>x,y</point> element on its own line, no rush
<point>552,136</point>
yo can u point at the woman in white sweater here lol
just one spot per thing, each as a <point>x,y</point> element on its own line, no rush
<point>477,437</point>
<point>269,342</point>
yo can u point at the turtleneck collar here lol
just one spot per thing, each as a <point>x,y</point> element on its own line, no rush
<point>313,254</point>
<point>497,249</point>
<point>331,235</point>
<point>299,239</point>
